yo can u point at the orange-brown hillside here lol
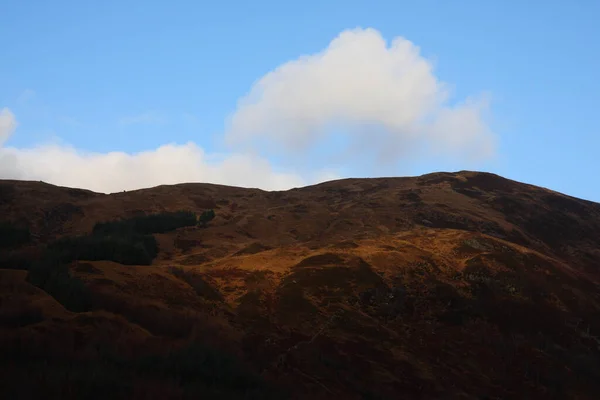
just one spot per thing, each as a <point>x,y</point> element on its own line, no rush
<point>449,285</point>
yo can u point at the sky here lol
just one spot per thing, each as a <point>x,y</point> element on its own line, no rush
<point>270,94</point>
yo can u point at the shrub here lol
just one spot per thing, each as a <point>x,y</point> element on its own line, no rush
<point>54,277</point>
<point>12,260</point>
<point>127,241</point>
<point>12,236</point>
<point>192,372</point>
<point>147,224</point>
<point>7,193</point>
<point>206,217</point>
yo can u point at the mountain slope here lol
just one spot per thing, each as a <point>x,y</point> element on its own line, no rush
<point>448,285</point>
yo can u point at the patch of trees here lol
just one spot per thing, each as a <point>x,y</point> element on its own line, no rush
<point>128,241</point>
<point>193,371</point>
<point>54,277</point>
<point>7,193</point>
<point>14,260</point>
<point>51,272</point>
<point>124,248</point>
<point>148,224</point>
<point>206,217</point>
<point>12,236</point>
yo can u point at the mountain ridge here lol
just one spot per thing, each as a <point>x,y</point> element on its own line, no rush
<point>334,181</point>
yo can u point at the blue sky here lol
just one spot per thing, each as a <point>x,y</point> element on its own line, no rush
<point>257,94</point>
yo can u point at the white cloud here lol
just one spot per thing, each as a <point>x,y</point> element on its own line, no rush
<point>359,99</point>
<point>117,171</point>
<point>8,124</point>
<point>462,128</point>
<point>361,85</point>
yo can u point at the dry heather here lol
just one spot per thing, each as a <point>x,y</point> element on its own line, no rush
<point>451,285</point>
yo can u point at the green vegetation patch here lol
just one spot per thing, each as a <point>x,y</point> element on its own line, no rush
<point>127,249</point>
<point>147,224</point>
<point>54,277</point>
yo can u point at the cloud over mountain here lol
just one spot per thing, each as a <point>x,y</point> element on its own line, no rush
<point>8,124</point>
<point>359,85</point>
<point>359,100</point>
<point>168,164</point>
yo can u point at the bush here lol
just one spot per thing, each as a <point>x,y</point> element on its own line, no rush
<point>128,249</point>
<point>206,217</point>
<point>147,224</point>
<point>11,260</point>
<point>127,241</point>
<point>191,372</point>
<point>12,236</point>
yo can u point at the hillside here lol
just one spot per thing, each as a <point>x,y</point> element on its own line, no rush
<point>459,285</point>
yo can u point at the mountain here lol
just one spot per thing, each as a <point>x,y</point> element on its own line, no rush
<point>459,285</point>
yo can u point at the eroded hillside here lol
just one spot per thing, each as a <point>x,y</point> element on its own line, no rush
<point>448,285</point>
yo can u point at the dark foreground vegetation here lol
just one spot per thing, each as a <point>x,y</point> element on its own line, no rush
<point>194,371</point>
<point>123,248</point>
<point>12,236</point>
<point>54,277</point>
<point>14,260</point>
<point>128,242</point>
<point>12,239</point>
<point>147,224</point>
